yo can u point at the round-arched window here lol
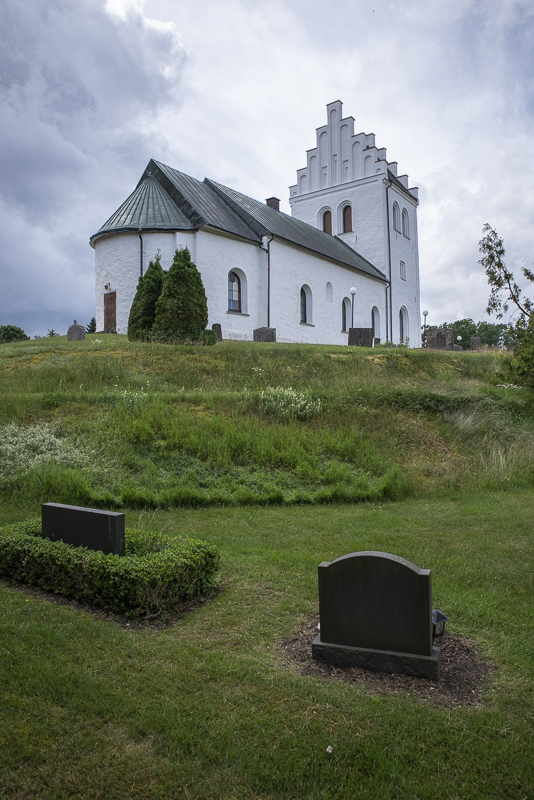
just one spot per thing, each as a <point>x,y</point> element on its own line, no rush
<point>234,292</point>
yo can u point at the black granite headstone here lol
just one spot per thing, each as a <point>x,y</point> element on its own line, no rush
<point>84,527</point>
<point>375,611</point>
<point>218,330</point>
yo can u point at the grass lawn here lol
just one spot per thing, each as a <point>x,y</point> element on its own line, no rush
<point>208,707</point>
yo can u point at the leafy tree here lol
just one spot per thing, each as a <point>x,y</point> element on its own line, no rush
<point>523,358</point>
<point>182,309</point>
<point>12,333</point>
<point>91,328</point>
<point>500,278</point>
<point>143,310</point>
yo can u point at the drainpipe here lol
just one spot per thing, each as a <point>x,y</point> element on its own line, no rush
<point>140,252</point>
<point>388,184</point>
<point>269,281</point>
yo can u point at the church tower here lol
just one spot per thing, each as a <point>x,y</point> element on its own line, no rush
<point>349,189</point>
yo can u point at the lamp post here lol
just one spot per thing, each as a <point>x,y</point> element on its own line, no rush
<point>425,315</point>
<point>352,292</point>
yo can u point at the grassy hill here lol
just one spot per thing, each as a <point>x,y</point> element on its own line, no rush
<point>282,456</point>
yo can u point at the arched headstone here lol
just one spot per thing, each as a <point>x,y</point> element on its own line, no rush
<point>75,333</point>
<point>376,612</point>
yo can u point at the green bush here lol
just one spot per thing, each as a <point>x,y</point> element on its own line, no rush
<point>156,572</point>
<point>143,310</point>
<point>523,357</point>
<point>182,309</point>
<point>12,333</point>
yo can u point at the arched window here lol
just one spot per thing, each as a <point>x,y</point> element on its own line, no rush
<point>327,222</point>
<point>396,217</point>
<point>328,292</point>
<point>234,292</point>
<point>303,305</point>
<point>375,322</point>
<point>306,305</point>
<point>405,223</point>
<point>347,219</point>
<point>404,333</point>
<point>345,315</point>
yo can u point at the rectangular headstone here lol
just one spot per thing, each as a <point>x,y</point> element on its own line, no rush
<point>440,339</point>
<point>84,527</point>
<point>475,343</point>
<point>361,337</point>
<point>264,335</point>
<point>376,612</point>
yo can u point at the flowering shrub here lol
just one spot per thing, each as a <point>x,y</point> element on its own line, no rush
<point>288,404</point>
<point>21,448</point>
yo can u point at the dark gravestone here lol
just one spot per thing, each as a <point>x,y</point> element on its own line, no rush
<point>361,337</point>
<point>440,339</point>
<point>218,330</point>
<point>376,613</point>
<point>458,348</point>
<point>264,335</point>
<point>475,343</point>
<point>84,527</point>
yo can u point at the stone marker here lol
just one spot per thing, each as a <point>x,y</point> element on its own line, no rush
<point>440,339</point>
<point>264,335</point>
<point>218,330</point>
<point>375,611</point>
<point>76,333</point>
<point>475,343</point>
<point>361,337</point>
<point>84,527</point>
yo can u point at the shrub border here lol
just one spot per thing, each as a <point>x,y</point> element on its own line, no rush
<point>156,572</point>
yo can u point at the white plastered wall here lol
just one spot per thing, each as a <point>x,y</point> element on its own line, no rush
<point>292,268</point>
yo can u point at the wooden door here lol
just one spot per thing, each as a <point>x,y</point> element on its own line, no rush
<point>110,312</point>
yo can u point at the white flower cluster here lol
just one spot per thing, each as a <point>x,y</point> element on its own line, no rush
<point>133,401</point>
<point>288,404</point>
<point>21,448</point>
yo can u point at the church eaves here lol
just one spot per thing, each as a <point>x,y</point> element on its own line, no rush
<point>148,208</point>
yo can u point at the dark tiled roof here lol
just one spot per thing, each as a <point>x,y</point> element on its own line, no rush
<point>199,202</point>
<point>166,199</point>
<point>281,225</point>
<point>149,207</point>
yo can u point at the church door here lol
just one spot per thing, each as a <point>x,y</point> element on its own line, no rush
<point>110,312</point>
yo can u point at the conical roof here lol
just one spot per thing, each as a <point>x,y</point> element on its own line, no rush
<point>149,207</point>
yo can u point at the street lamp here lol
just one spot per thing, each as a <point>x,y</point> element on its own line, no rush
<point>425,315</point>
<point>352,292</point>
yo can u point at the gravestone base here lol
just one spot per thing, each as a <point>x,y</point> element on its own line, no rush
<point>341,655</point>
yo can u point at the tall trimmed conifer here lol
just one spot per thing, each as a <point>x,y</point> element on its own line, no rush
<point>182,309</point>
<point>143,310</point>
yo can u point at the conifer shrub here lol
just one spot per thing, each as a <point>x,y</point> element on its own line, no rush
<point>150,579</point>
<point>182,309</point>
<point>143,310</point>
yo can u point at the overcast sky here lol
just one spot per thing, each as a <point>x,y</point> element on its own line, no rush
<point>234,90</point>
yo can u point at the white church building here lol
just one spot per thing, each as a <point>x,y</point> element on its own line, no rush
<point>353,225</point>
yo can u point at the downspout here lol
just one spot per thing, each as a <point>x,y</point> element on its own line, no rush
<point>390,316</point>
<point>269,281</point>
<point>140,252</point>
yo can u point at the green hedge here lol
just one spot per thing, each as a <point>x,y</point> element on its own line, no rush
<point>150,579</point>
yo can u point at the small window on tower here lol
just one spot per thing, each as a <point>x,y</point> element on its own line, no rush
<point>396,217</point>
<point>327,222</point>
<point>347,219</point>
<point>403,271</point>
<point>405,223</point>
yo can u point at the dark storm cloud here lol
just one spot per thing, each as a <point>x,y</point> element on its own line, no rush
<point>80,90</point>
